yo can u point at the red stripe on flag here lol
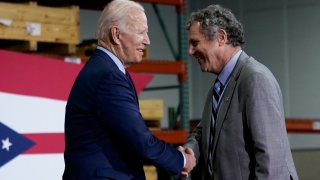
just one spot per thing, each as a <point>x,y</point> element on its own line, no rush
<point>46,143</point>
<point>36,75</point>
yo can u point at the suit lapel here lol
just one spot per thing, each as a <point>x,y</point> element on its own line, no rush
<point>206,119</point>
<point>227,96</point>
<point>114,65</point>
<point>132,86</point>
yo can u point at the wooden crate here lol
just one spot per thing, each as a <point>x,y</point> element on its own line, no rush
<point>152,111</point>
<point>32,23</point>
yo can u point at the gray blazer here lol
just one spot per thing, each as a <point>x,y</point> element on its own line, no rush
<point>250,140</point>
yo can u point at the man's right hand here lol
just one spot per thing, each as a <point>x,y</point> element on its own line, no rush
<point>190,160</point>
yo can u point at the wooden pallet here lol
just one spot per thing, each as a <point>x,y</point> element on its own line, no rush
<point>25,26</point>
<point>152,111</point>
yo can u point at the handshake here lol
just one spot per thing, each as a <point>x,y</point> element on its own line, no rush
<point>190,160</point>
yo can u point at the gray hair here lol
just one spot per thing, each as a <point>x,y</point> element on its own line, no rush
<point>215,17</point>
<point>116,13</point>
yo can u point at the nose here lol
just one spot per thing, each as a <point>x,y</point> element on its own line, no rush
<point>146,40</point>
<point>191,50</point>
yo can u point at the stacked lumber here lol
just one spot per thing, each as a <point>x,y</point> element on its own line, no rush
<point>152,112</point>
<point>31,24</point>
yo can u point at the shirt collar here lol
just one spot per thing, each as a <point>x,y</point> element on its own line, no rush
<point>114,58</point>
<point>228,68</point>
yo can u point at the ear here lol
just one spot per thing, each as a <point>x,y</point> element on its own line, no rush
<point>115,35</point>
<point>222,37</point>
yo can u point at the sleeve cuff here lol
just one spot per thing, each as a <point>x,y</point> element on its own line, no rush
<point>184,159</point>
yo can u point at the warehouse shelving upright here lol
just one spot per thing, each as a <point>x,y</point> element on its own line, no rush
<point>179,66</point>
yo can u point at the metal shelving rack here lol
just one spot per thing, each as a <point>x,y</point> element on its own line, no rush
<point>179,66</point>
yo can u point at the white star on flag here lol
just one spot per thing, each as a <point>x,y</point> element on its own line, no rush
<point>6,144</point>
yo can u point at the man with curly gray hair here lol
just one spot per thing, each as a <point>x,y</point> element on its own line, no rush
<point>242,133</point>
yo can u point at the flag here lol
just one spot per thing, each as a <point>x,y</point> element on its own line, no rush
<point>33,94</point>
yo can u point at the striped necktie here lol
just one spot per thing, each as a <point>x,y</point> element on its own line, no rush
<point>217,91</point>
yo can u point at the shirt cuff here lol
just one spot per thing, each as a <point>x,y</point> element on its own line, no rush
<point>184,159</point>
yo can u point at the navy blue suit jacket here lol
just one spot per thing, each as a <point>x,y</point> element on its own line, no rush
<point>105,134</point>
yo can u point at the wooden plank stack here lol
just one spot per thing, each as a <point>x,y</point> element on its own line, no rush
<point>31,24</point>
<point>152,112</point>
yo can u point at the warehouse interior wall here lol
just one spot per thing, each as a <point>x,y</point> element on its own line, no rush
<point>283,35</point>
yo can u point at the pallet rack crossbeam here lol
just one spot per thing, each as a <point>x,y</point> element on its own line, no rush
<point>161,67</point>
<point>295,125</point>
